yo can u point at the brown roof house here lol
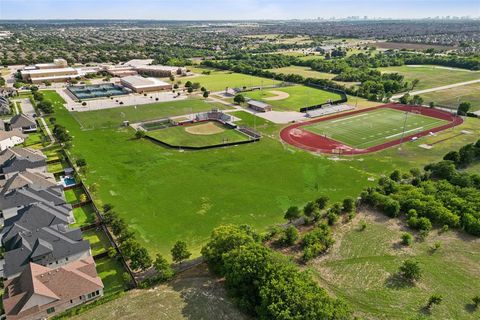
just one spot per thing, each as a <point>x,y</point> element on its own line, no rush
<point>41,292</point>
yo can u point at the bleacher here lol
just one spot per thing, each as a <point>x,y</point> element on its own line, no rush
<point>213,115</point>
<point>249,132</point>
<point>324,111</point>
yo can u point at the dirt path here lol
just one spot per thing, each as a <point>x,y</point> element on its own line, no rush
<point>438,88</point>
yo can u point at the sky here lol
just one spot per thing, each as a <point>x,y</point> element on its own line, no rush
<point>233,9</point>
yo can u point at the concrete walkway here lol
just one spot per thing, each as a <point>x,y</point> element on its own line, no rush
<point>450,86</point>
<point>47,129</point>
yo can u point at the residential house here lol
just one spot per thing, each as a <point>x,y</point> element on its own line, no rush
<point>41,235</point>
<point>14,160</point>
<point>9,139</point>
<point>41,292</point>
<point>23,122</point>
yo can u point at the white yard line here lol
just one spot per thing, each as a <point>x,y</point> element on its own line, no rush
<point>397,134</point>
<point>343,119</point>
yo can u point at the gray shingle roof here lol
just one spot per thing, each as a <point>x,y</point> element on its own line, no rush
<point>22,120</point>
<point>51,197</point>
<point>19,159</point>
<point>38,235</point>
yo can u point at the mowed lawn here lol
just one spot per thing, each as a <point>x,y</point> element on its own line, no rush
<point>179,136</point>
<point>306,72</point>
<point>299,96</point>
<point>362,269</point>
<point>374,127</point>
<point>219,80</point>
<point>432,76</point>
<point>114,117</point>
<point>454,96</point>
<point>166,195</point>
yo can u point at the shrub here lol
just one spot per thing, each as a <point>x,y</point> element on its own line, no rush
<point>407,239</point>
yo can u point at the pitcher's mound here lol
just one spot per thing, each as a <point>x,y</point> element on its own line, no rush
<point>279,95</point>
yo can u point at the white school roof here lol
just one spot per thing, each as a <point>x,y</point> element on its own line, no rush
<point>141,82</point>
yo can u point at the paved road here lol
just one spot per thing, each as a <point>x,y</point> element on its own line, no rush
<point>438,88</point>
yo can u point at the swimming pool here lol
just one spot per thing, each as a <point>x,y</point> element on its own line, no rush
<point>97,91</point>
<point>68,181</point>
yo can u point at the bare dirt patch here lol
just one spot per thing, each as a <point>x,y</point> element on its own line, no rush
<point>205,129</point>
<point>279,95</point>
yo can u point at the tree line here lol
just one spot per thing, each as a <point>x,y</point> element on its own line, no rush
<point>441,195</point>
<point>264,283</point>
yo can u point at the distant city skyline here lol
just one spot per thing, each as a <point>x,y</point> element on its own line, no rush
<point>235,9</point>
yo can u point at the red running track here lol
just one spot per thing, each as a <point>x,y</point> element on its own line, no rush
<point>303,139</point>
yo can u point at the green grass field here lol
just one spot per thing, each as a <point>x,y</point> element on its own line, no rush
<point>306,72</point>
<point>454,96</point>
<point>433,76</point>
<point>114,117</point>
<point>219,80</point>
<point>178,136</point>
<point>361,268</point>
<point>98,240</point>
<point>299,96</point>
<point>110,270</point>
<point>374,127</point>
<point>84,216</point>
<point>161,192</point>
<point>73,195</point>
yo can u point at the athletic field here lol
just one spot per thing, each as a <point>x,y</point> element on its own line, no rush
<point>198,135</point>
<point>375,127</point>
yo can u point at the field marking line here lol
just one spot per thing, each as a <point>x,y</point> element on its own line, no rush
<point>360,115</point>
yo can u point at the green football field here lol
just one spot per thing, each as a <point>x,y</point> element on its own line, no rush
<point>375,127</point>
<point>178,136</point>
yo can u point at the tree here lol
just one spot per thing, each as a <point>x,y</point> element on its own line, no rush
<point>310,208</point>
<point>396,175</point>
<point>476,301</point>
<point>222,240</point>
<point>140,259</point>
<point>81,162</point>
<point>435,299</point>
<point>463,108</point>
<point>163,268</point>
<point>238,99</point>
<point>139,134</point>
<point>180,251</point>
<point>322,202</point>
<point>410,270</point>
<point>190,90</point>
<point>407,239</point>
<point>83,198</point>
<point>405,99</point>
<point>348,204</point>
<point>452,156</point>
<point>289,237</point>
<point>415,83</point>
<point>188,84</point>
<point>206,94</point>
<point>292,213</point>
